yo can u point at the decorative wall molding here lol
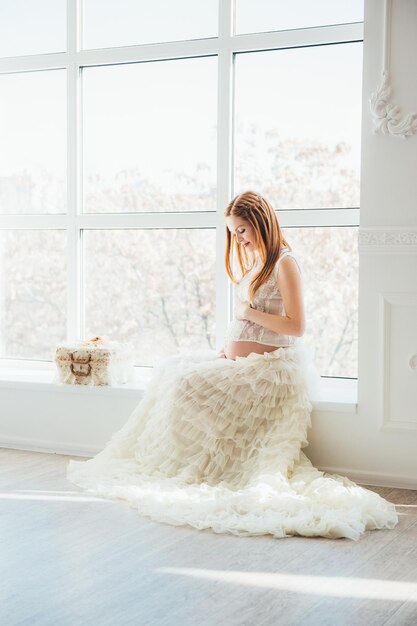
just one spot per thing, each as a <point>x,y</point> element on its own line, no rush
<point>395,240</point>
<point>413,362</point>
<point>388,302</point>
<point>386,116</point>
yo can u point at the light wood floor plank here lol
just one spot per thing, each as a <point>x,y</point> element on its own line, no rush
<point>71,559</point>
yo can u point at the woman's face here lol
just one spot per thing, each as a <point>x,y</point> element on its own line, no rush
<point>243,231</point>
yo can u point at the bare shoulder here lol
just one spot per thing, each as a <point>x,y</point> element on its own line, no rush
<point>288,266</point>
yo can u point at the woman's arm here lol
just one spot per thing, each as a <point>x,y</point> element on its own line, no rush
<point>290,286</point>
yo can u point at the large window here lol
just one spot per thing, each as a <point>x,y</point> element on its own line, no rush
<point>125,129</point>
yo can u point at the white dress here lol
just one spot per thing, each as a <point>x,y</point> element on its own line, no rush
<point>217,443</point>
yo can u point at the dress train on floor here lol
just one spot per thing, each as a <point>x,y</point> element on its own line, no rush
<point>217,443</point>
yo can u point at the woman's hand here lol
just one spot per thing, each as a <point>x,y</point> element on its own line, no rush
<point>221,354</point>
<point>242,310</point>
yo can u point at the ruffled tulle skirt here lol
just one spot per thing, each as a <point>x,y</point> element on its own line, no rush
<point>217,443</point>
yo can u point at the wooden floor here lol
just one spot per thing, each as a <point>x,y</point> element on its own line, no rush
<point>71,559</point>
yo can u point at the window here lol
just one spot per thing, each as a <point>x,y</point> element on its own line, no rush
<point>150,136</point>
<point>154,288</point>
<point>129,22</point>
<point>33,292</point>
<point>270,15</point>
<point>297,137</point>
<point>29,28</point>
<point>122,146</point>
<point>33,155</point>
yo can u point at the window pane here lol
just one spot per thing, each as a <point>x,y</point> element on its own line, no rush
<point>330,264</point>
<point>130,22</point>
<point>268,15</point>
<point>298,135</point>
<point>32,293</point>
<point>154,288</point>
<point>33,142</point>
<point>28,27</point>
<point>150,136</point>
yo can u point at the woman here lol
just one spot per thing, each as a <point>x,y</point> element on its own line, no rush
<point>255,238</point>
<point>216,441</point>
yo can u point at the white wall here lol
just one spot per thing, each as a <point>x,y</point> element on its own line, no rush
<point>62,419</point>
<point>378,444</point>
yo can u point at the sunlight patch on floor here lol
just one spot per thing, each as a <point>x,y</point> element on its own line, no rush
<point>68,496</point>
<point>337,586</point>
<point>407,506</point>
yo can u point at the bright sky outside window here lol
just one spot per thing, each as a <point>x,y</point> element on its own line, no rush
<point>150,136</point>
<point>268,15</point>
<point>32,27</point>
<point>33,133</point>
<point>109,23</point>
<point>298,125</point>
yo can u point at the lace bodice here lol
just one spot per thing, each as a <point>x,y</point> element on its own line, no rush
<point>268,299</point>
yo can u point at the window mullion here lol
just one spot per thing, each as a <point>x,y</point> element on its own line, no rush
<point>224,161</point>
<point>298,37</point>
<point>74,169</point>
<point>300,218</point>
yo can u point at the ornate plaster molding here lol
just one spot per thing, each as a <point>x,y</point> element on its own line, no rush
<point>387,237</point>
<point>397,404</point>
<point>388,240</point>
<point>387,117</point>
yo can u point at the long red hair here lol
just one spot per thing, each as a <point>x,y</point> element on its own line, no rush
<point>256,210</point>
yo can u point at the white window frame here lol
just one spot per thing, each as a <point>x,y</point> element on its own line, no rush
<point>224,47</point>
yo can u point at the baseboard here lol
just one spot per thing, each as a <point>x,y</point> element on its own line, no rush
<point>362,477</point>
<point>374,479</point>
<point>51,447</point>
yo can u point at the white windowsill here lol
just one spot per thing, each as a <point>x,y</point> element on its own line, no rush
<point>338,395</point>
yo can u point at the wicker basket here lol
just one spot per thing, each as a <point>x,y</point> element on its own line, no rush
<point>94,362</point>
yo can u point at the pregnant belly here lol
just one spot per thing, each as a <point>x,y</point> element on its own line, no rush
<point>243,348</point>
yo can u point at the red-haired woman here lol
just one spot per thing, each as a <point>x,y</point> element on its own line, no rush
<point>216,441</point>
<point>270,277</point>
